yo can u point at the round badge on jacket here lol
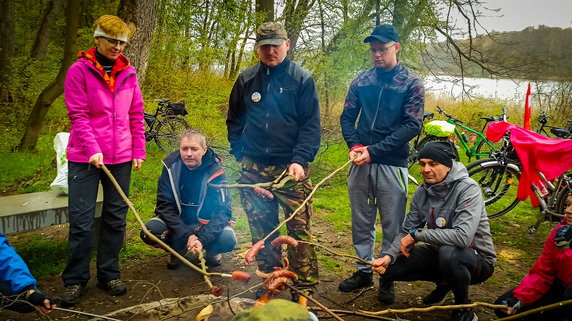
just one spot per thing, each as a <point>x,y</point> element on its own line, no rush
<point>256,96</point>
<point>440,222</point>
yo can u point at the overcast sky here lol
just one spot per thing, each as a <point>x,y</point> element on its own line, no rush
<point>516,15</point>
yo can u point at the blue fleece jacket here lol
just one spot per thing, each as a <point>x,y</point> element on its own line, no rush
<point>390,109</point>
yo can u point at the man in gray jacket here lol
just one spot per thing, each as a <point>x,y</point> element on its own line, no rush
<point>447,214</point>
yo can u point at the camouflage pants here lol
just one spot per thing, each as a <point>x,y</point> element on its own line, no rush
<point>263,218</point>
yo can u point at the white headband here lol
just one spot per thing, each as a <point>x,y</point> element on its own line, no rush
<point>100,33</point>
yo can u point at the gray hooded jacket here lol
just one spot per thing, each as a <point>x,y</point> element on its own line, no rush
<point>451,212</point>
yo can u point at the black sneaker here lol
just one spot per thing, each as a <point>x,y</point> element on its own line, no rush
<point>113,287</point>
<point>357,281</point>
<point>174,263</point>
<point>437,296</point>
<point>72,295</point>
<point>463,315</point>
<point>214,260</point>
<point>386,293</point>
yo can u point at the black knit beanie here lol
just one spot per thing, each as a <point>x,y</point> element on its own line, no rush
<point>439,151</point>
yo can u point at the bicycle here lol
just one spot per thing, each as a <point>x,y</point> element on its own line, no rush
<point>166,124</point>
<point>414,150</point>
<point>556,131</point>
<point>479,147</point>
<point>499,176</point>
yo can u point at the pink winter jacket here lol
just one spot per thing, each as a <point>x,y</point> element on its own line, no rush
<point>106,113</point>
<point>553,263</point>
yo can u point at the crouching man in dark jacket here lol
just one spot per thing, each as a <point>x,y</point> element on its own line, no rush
<point>190,215</point>
<point>447,217</point>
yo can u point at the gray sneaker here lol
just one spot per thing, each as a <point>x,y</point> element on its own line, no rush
<point>113,287</point>
<point>72,294</point>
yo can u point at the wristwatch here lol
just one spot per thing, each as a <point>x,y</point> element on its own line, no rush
<point>412,233</point>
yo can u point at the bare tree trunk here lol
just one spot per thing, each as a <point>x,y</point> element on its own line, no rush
<point>238,62</point>
<point>265,8</point>
<point>45,29</point>
<point>234,71</point>
<point>6,46</point>
<point>56,88</point>
<point>326,91</point>
<point>144,15</point>
<point>294,14</point>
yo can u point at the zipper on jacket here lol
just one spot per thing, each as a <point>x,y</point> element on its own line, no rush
<point>115,112</point>
<point>268,93</point>
<point>375,116</point>
<point>433,217</point>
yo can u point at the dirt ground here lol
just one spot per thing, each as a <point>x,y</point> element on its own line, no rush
<point>148,280</point>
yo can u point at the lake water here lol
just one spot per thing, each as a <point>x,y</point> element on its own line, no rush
<point>506,89</point>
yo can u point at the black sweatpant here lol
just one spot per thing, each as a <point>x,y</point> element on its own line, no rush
<point>456,267</point>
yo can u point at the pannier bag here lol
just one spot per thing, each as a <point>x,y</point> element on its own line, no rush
<point>176,108</point>
<point>439,128</point>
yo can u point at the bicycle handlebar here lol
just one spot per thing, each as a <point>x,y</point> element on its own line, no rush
<point>441,111</point>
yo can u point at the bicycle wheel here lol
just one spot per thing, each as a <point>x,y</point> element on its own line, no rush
<point>499,185</point>
<point>168,131</point>
<point>477,163</point>
<point>484,148</point>
<point>561,202</point>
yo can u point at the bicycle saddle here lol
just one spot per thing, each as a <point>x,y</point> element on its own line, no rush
<point>489,118</point>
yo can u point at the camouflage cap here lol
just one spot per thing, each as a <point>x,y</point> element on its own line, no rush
<point>270,33</point>
<point>276,310</point>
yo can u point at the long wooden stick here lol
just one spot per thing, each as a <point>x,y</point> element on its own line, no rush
<point>360,314</point>
<point>336,253</point>
<point>153,237</point>
<point>305,201</point>
<point>537,310</point>
<point>437,307</point>
<point>316,302</point>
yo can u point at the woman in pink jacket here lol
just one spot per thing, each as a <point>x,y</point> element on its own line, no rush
<point>550,279</point>
<point>105,108</point>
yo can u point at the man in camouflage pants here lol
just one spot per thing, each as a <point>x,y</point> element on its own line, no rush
<point>274,126</point>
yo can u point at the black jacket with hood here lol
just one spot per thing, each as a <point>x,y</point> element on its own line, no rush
<point>212,212</point>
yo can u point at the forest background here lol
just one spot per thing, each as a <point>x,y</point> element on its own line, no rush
<point>193,50</point>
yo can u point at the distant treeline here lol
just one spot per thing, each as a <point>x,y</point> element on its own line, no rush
<point>535,53</point>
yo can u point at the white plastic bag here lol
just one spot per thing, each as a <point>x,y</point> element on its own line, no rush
<point>60,184</point>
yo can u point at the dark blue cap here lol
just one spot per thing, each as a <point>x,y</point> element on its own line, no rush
<point>384,33</point>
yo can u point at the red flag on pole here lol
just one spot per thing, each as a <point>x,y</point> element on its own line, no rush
<point>526,123</point>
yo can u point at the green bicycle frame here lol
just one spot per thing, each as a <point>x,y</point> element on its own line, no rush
<point>471,150</point>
